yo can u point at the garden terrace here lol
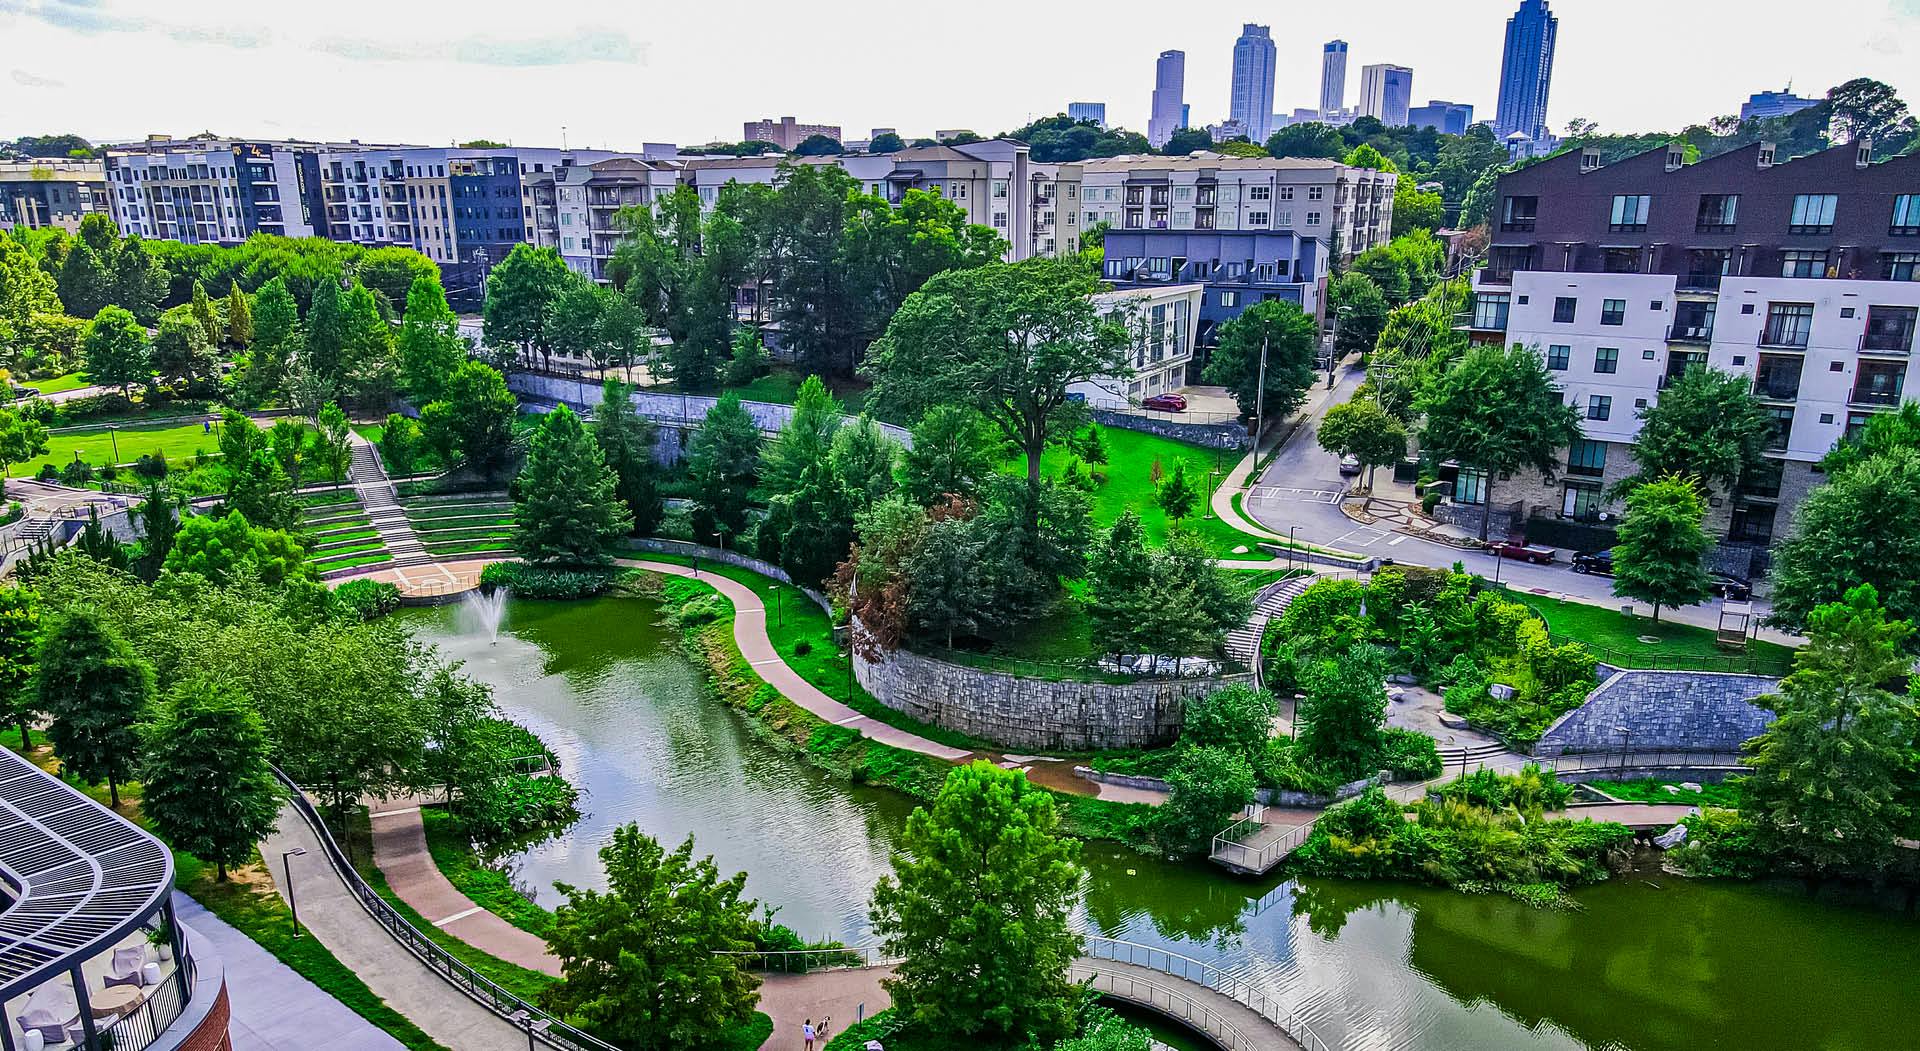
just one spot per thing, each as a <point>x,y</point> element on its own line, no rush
<point>100,444</point>
<point>340,535</point>
<point>461,525</point>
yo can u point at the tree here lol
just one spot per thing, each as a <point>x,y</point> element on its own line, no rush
<point>1362,312</point>
<point>21,439</point>
<point>819,146</point>
<point>201,309</point>
<point>1828,773</point>
<point>1366,156</point>
<point>85,281</point>
<point>117,351</point>
<point>335,446</point>
<point>886,142</point>
<point>1236,718</point>
<point>626,439</point>
<point>1288,337</point>
<point>567,509</point>
<point>1497,409</point>
<point>139,280</point>
<point>576,320</point>
<point>1657,557</point>
<point>1006,340</point>
<point>96,691</point>
<point>1862,527</point>
<point>954,451</point>
<point>1060,138</point>
<point>159,528</point>
<point>239,330</point>
<point>749,359</point>
<point>1187,140</point>
<point>723,461</point>
<point>1707,425</point>
<point>1365,430</point>
<point>181,353</point>
<point>1309,139</point>
<point>205,781</point>
<point>1119,577</point>
<point>390,272</point>
<point>520,292</point>
<point>1884,432</point>
<point>1208,786</point>
<point>644,962</point>
<point>803,441</point>
<point>1192,602</point>
<point>978,908</point>
<point>19,649</point>
<point>1177,496</point>
<point>892,250</point>
<point>367,363</point>
<point>325,335</point>
<point>400,444</point>
<point>431,348</point>
<point>1868,109</point>
<point>481,411</point>
<point>817,302</point>
<point>1416,209</point>
<point>276,339</point>
<point>231,549</point>
<point>1344,709</point>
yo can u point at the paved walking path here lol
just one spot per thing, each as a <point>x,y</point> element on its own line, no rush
<point>1203,1008</point>
<point>274,1008</point>
<point>792,999</point>
<point>331,913</point>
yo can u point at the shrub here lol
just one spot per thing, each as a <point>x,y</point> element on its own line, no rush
<point>1429,501</point>
<point>546,583</point>
<point>1721,843</point>
<point>1531,789</point>
<point>76,473</point>
<point>802,648</point>
<point>1409,754</point>
<point>1210,785</point>
<point>48,473</point>
<point>369,598</point>
<point>1237,718</point>
<point>151,466</point>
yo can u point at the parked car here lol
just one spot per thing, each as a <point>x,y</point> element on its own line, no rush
<point>1522,551</point>
<point>1729,587</point>
<point>1349,464</point>
<point>1594,562</point>
<point>1166,402</point>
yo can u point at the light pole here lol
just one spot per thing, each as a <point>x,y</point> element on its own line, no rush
<point>1496,565</point>
<point>532,1025</point>
<point>1291,543</point>
<point>286,865</point>
<point>113,432</point>
<point>1626,735</point>
<point>1211,475</point>
<point>1260,402</point>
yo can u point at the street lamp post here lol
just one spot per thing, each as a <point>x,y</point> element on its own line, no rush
<point>1626,735</point>
<point>1260,402</point>
<point>286,865</point>
<point>525,1020</point>
<point>113,432</point>
<point>1291,543</point>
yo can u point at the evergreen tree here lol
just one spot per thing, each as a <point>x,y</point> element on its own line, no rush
<point>239,317</point>
<point>1178,496</point>
<point>139,281</point>
<point>276,338</point>
<point>19,649</point>
<point>804,441</point>
<point>749,359</point>
<point>96,691</point>
<point>160,526</point>
<point>200,308</point>
<point>978,908</point>
<point>626,439</point>
<point>954,451</point>
<point>723,462</point>
<point>1657,558</point>
<point>205,782</point>
<point>431,347</point>
<point>86,285</point>
<point>367,363</point>
<point>1119,575</point>
<point>568,508</point>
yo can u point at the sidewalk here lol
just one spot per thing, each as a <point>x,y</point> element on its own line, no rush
<point>400,850</point>
<point>1240,477</point>
<point>274,1009</point>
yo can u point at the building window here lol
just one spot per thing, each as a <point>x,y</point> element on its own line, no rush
<point>1286,193</point>
<point>1906,215</point>
<point>1613,312</point>
<point>1813,213</point>
<point>1315,193</point>
<point>1557,356</point>
<point>1229,299</point>
<point>1753,523</point>
<point>1599,406</point>
<point>1256,218</point>
<point>1582,502</point>
<point>1900,266</point>
<point>1259,193</point>
<point>1587,457</point>
<point>1620,260</point>
<point>1788,325</point>
<point>1606,361</point>
<point>1564,308</point>
<point>1490,312</point>
<point>1630,213</point>
<point>1889,329</point>
<point>1519,213</point>
<point>1000,219</point>
<point>1782,416</point>
<point>1283,219</point>
<point>1313,218</point>
<point>1794,263</point>
<point>1718,212</point>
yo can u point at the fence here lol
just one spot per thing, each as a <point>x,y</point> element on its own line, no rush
<point>1090,669</point>
<point>1729,663</point>
<point>1600,762</point>
<point>1165,1001</point>
<point>556,1034</point>
<point>1261,858</point>
<point>801,961</point>
<point>142,1026</point>
<point>1234,988</point>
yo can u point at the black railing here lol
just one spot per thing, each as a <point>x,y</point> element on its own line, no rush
<point>1685,333</point>
<point>557,1034</point>
<point>1784,338</point>
<point>1874,397</point>
<point>142,1026</point>
<point>1776,387</point>
<point>1897,342</point>
<point>1700,282</point>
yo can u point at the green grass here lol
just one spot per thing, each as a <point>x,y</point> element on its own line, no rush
<point>96,445</point>
<point>342,525</point>
<point>327,498</point>
<point>470,547</point>
<point>472,514</point>
<point>382,555</point>
<point>1616,639</point>
<point>449,536</point>
<point>56,384</point>
<point>341,536</point>
<point>352,549</point>
<point>1652,790</point>
<point>490,889</point>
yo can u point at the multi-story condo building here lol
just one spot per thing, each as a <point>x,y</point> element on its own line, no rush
<point>1526,72</point>
<point>49,192</point>
<point>1765,105</point>
<point>217,191</point>
<point>1333,79</point>
<point>1386,93</point>
<point>1251,103</point>
<point>1803,276</point>
<point>1164,321</point>
<point>786,133</point>
<point>1093,111</point>
<point>587,197</point>
<point>1448,118</point>
<point>1169,112</point>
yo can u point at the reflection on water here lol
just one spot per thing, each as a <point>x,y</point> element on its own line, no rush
<point>1654,963</point>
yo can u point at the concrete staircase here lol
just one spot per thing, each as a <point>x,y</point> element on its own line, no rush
<point>1243,642</point>
<point>382,502</point>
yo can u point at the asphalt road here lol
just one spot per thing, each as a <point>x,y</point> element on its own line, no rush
<point>1301,488</point>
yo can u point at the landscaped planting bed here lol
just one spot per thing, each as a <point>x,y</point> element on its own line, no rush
<point>323,555</point>
<point>358,542</point>
<point>471,546</point>
<point>344,524</point>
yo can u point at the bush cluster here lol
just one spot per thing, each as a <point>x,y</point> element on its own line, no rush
<point>369,598</point>
<point>1532,789</point>
<point>542,582</point>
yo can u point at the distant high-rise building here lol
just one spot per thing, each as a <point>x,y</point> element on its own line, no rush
<point>1169,85</point>
<point>1093,111</point>
<point>1386,92</point>
<point>1448,118</point>
<point>1186,115</point>
<point>1765,105</point>
<point>1333,76</point>
<point>1526,71</point>
<point>1252,101</point>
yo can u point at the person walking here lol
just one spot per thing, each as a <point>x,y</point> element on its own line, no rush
<point>825,1030</point>
<point>808,1034</point>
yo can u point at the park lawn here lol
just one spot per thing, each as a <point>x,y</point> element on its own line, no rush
<point>96,445</point>
<point>56,384</point>
<point>1651,790</point>
<point>1615,637</point>
<point>382,555</point>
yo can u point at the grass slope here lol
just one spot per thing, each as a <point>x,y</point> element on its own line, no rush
<point>1616,638</point>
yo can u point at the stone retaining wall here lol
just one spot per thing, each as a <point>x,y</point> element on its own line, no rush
<point>1225,435</point>
<point>1663,711</point>
<point>664,409</point>
<point>1033,714</point>
<point>1265,796</point>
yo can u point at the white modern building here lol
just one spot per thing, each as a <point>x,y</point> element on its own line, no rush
<point>1169,112</point>
<point>1386,93</point>
<point>215,191</point>
<point>1251,103</point>
<point>1163,320</point>
<point>1311,197</point>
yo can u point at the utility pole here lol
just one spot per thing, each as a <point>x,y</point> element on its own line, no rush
<point>1260,402</point>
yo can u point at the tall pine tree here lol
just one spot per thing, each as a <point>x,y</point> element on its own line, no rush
<point>568,508</point>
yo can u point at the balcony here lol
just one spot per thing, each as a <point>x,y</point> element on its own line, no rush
<point>1683,332</point>
<point>1776,338</point>
<point>1875,398</point>
<point>1490,275</point>
<point>1699,282</point>
<point>1777,386</point>
<point>1517,226</point>
<point>1886,342</point>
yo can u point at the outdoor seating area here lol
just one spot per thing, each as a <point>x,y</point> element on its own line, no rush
<point>120,983</point>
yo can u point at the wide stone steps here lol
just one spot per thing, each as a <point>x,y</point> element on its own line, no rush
<point>1453,755</point>
<point>1243,642</point>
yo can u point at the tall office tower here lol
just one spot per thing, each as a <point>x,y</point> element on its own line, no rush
<point>1169,84</point>
<point>1333,76</point>
<point>1252,100</point>
<point>1526,71</point>
<point>1386,92</point>
<point>1093,111</point>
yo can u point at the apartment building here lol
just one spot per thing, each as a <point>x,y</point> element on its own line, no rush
<point>49,192</point>
<point>1312,197</point>
<point>786,133</point>
<point>1164,322</point>
<point>1803,276</point>
<point>216,191</point>
<point>586,199</point>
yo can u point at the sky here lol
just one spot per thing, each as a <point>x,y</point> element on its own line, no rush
<point>606,74</point>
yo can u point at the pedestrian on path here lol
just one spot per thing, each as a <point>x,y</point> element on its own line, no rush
<point>808,1034</point>
<point>825,1031</point>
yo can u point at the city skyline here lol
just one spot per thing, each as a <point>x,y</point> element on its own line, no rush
<point>599,77</point>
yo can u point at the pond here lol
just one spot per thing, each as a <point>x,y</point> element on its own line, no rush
<point>1646,962</point>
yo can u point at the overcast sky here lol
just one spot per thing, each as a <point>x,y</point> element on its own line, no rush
<point>618,74</point>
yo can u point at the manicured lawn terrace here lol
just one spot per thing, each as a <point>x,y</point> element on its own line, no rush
<point>465,526</point>
<point>1649,790</point>
<point>56,384</point>
<point>1616,639</point>
<point>96,445</point>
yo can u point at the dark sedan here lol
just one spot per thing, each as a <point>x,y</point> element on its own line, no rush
<point>1594,562</point>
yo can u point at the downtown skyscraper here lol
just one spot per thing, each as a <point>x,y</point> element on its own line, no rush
<point>1252,102</point>
<point>1169,105</point>
<point>1526,71</point>
<point>1333,77</point>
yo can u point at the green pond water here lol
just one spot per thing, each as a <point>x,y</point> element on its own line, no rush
<point>1647,962</point>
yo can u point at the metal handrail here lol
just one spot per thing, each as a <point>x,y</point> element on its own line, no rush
<point>1664,759</point>
<point>1208,976</point>
<point>1217,1027</point>
<point>866,955</point>
<point>1262,855</point>
<point>510,1008</point>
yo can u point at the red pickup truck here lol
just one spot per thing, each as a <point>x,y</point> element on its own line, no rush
<point>1522,551</point>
